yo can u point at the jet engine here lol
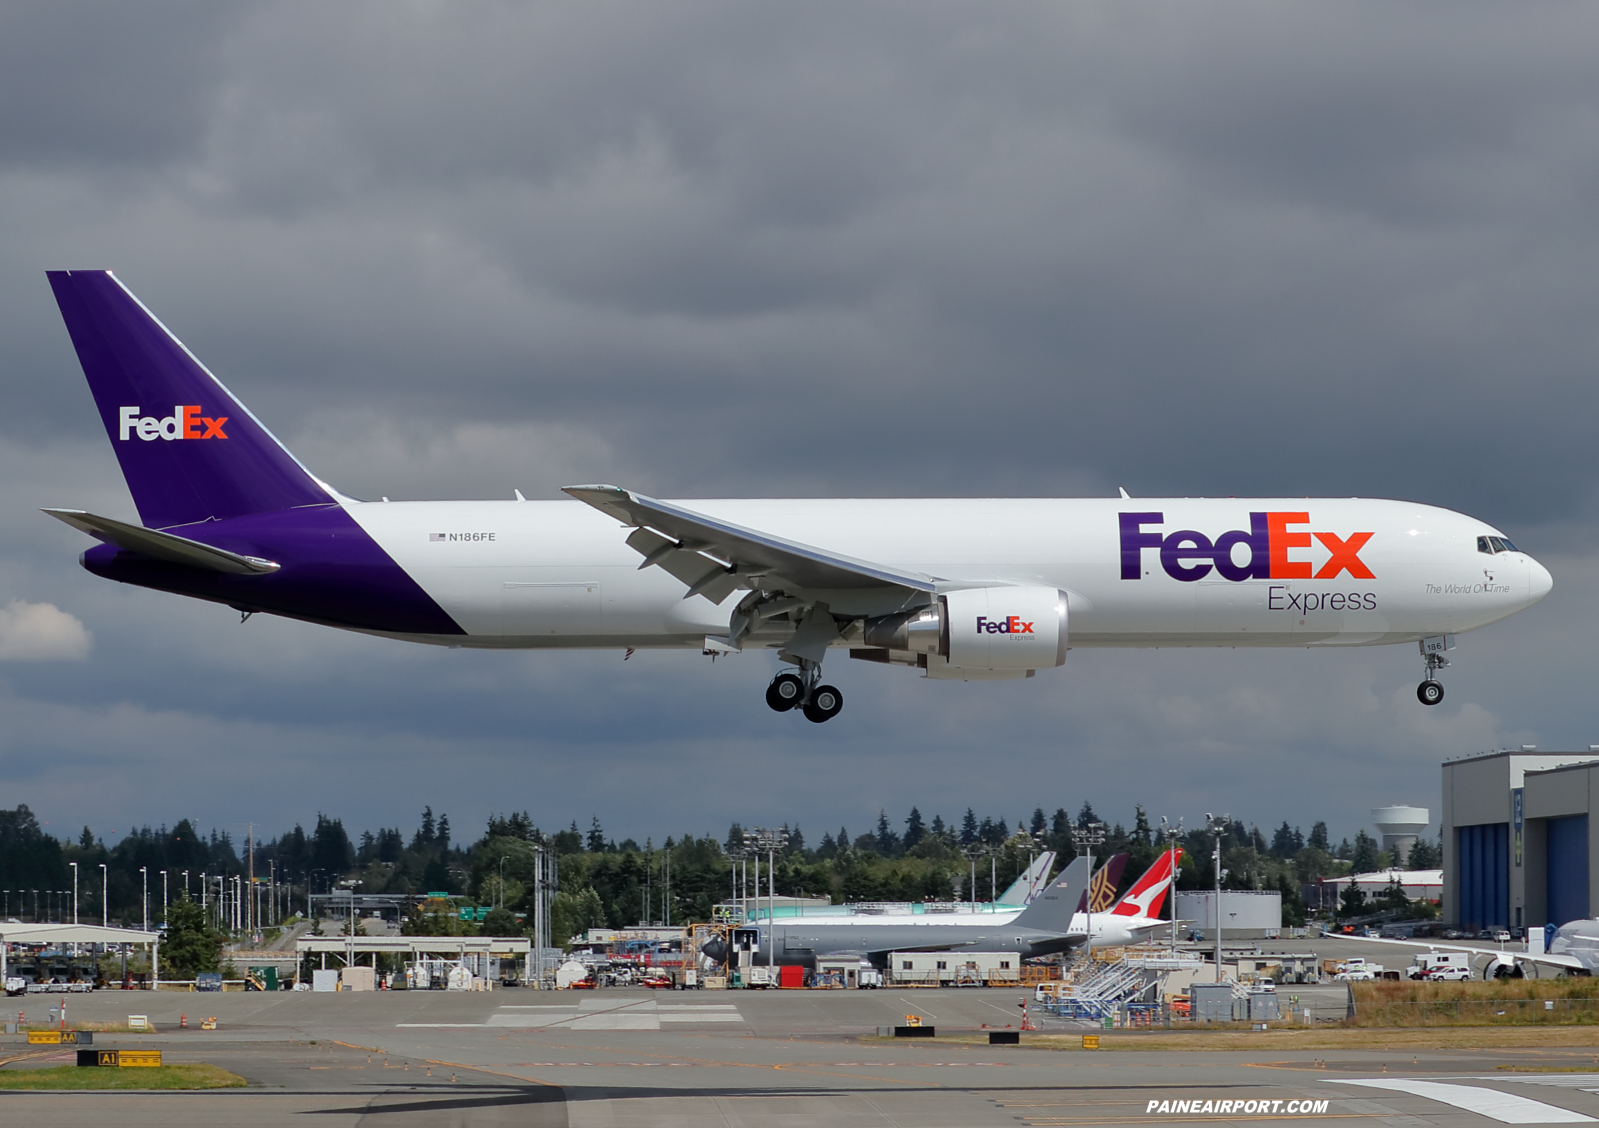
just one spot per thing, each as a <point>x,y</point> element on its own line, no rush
<point>998,631</point>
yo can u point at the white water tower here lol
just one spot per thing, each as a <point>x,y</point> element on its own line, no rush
<point>1399,827</point>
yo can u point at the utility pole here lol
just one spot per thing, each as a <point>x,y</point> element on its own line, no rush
<point>105,918</point>
<point>74,866</point>
<point>250,838</point>
<point>1218,828</point>
<point>164,898</point>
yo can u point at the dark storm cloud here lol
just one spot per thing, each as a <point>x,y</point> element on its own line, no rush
<point>91,85</point>
<point>710,249</point>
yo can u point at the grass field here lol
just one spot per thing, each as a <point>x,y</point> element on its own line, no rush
<point>72,1077</point>
<point>1572,1001</point>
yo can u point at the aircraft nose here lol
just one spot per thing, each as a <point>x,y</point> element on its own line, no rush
<point>1540,582</point>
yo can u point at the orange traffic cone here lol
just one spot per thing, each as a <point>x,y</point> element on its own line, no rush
<point>183,1022</point>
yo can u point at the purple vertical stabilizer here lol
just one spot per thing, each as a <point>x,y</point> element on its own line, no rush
<point>189,450</point>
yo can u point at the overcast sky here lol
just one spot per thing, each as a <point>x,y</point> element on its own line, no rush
<point>720,249</point>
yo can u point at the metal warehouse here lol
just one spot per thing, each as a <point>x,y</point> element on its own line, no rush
<point>1516,841</point>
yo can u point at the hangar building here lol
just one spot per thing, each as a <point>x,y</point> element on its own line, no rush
<point>1517,848</point>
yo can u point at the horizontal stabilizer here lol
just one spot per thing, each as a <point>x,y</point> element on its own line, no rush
<point>163,546</point>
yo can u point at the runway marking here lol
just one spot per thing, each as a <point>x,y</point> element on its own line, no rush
<point>1507,1108</point>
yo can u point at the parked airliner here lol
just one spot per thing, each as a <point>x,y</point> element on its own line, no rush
<point>960,588</point>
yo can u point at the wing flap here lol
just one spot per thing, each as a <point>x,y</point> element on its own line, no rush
<point>749,557</point>
<point>163,546</point>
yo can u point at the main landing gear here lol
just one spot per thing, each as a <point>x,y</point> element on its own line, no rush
<point>799,691</point>
<point>1431,691</point>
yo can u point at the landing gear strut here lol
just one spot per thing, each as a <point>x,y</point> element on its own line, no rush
<point>800,690</point>
<point>1431,691</point>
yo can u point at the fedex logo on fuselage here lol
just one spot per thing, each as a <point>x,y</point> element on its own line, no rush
<point>1188,555</point>
<point>185,422</point>
<point>1011,624</point>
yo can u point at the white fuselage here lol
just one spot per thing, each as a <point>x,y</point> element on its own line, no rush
<point>558,574</point>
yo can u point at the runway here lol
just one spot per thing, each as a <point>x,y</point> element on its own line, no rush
<point>790,1059</point>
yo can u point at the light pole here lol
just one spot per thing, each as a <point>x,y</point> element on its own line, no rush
<point>765,838</point>
<point>1172,834</point>
<point>1217,827</point>
<point>972,852</point>
<point>74,866</point>
<point>163,897</point>
<point>144,878</point>
<point>1089,835</point>
<point>503,858</point>
<point>105,918</point>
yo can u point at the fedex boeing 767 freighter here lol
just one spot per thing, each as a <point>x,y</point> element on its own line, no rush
<point>960,588</point>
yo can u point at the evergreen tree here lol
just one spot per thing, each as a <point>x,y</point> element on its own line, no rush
<point>968,833</point>
<point>914,830</point>
<point>1364,859</point>
<point>424,834</point>
<point>1086,815</point>
<point>190,945</point>
<point>1039,824</point>
<point>596,842</point>
<point>1282,842</point>
<point>86,840</point>
<point>1424,855</point>
<point>441,837</point>
<point>570,840</point>
<point>1142,832</point>
<point>887,840</point>
<point>796,839</point>
<point>735,839</point>
<point>1318,837</point>
<point>937,829</point>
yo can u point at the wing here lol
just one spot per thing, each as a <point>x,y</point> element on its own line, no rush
<point>163,546</point>
<point>714,557</point>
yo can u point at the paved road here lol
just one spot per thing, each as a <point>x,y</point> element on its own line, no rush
<point>787,1059</point>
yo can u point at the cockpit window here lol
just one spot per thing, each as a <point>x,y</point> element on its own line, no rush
<point>1488,546</point>
<point>1508,546</point>
<point>1482,546</point>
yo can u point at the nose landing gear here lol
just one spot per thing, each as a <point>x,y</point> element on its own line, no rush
<point>1431,691</point>
<point>799,691</point>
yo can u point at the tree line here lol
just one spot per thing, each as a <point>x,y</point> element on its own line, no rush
<point>605,882</point>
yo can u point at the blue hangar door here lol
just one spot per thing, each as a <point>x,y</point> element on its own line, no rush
<point>1568,869</point>
<point>1483,852</point>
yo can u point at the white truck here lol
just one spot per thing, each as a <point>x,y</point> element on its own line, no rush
<point>1356,968</point>
<point>1445,966</point>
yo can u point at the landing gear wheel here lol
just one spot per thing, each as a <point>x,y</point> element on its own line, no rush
<point>785,692</point>
<point>1429,692</point>
<point>824,704</point>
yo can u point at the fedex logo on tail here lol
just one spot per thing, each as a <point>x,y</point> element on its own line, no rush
<point>185,422</point>
<point>1144,898</point>
<point>1188,555</point>
<point>1011,624</point>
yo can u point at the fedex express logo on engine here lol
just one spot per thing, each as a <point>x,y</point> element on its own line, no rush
<point>185,422</point>
<point>1011,624</point>
<point>1188,555</point>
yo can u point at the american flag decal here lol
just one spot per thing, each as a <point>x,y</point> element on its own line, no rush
<point>435,537</point>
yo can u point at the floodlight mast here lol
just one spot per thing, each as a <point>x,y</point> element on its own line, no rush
<point>1172,834</point>
<point>1218,827</point>
<point>766,838</point>
<point>1089,835</point>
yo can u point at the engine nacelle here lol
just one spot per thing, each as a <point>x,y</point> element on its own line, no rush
<point>1005,628</point>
